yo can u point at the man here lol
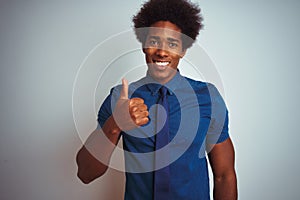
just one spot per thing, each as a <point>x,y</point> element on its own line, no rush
<point>164,151</point>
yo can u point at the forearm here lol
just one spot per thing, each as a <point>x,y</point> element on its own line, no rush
<point>93,158</point>
<point>225,187</point>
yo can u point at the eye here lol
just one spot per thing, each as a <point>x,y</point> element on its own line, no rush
<point>173,45</point>
<point>153,43</point>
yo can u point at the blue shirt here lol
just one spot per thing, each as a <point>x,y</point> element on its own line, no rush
<point>197,116</point>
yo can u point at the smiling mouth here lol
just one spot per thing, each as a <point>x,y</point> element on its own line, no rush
<point>161,63</point>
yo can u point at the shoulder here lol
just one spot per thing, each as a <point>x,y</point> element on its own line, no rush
<point>138,84</point>
<point>200,86</point>
<point>205,90</point>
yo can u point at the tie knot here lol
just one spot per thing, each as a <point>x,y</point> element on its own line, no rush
<point>163,91</point>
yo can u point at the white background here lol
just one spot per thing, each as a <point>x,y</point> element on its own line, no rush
<point>254,44</point>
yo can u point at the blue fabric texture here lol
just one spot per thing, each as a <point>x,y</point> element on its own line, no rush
<point>197,116</point>
<point>162,176</point>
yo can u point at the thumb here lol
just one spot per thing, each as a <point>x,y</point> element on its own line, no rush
<point>124,91</point>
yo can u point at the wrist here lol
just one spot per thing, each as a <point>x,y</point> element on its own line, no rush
<point>112,126</point>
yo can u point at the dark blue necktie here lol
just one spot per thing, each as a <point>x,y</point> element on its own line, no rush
<point>162,176</point>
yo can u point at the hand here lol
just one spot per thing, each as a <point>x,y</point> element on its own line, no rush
<point>130,113</point>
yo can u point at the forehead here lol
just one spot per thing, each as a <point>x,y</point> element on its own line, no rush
<point>165,29</point>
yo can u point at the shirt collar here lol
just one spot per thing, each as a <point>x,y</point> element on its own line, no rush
<point>172,85</point>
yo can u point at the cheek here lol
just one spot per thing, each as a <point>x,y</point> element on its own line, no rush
<point>148,59</point>
<point>176,58</point>
<point>175,62</point>
<point>148,55</point>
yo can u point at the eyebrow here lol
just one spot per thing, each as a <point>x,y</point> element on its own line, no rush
<point>172,40</point>
<point>155,37</point>
<point>169,39</point>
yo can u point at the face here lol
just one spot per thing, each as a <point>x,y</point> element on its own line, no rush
<point>163,50</point>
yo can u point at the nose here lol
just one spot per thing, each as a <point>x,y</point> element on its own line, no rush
<point>162,52</point>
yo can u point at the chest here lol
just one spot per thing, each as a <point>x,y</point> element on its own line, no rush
<point>189,118</point>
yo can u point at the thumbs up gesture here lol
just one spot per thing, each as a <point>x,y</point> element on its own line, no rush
<point>130,113</point>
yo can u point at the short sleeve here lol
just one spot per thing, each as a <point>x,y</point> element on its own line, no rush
<point>107,106</point>
<point>104,112</point>
<point>218,127</point>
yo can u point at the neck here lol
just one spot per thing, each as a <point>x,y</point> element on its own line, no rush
<point>163,80</point>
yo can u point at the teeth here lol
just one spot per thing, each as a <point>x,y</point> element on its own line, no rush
<point>161,63</point>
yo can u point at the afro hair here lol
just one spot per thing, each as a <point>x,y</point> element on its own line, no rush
<point>182,13</point>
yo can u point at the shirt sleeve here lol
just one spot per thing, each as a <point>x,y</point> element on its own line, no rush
<point>104,112</point>
<point>218,128</point>
<point>108,106</point>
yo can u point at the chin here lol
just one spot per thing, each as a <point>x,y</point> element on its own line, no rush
<point>161,77</point>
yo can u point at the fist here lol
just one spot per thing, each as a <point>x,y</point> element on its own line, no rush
<point>130,113</point>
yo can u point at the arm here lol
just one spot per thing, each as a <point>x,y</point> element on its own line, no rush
<point>93,158</point>
<point>221,159</point>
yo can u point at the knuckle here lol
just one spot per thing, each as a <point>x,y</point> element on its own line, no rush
<point>133,108</point>
<point>132,115</point>
<point>135,115</point>
<point>138,100</point>
<point>146,113</point>
<point>145,120</point>
<point>131,102</point>
<point>144,107</point>
<point>138,122</point>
